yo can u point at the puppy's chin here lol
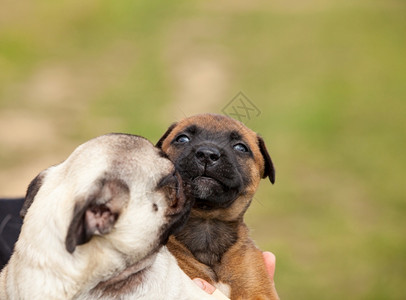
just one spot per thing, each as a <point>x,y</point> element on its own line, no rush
<point>206,187</point>
<point>211,194</point>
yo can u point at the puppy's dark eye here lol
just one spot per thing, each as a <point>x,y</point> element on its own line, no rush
<point>183,139</point>
<point>240,147</point>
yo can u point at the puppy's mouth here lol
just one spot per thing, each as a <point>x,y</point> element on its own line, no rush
<point>204,186</point>
<point>210,193</point>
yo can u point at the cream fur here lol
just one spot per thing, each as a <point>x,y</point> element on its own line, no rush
<point>42,268</point>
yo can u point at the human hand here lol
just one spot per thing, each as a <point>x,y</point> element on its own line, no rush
<point>270,264</point>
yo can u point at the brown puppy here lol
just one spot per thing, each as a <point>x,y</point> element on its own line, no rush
<point>224,161</point>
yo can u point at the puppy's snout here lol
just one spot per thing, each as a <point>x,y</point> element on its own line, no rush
<point>207,155</point>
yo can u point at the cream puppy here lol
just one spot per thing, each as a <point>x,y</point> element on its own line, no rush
<point>95,225</point>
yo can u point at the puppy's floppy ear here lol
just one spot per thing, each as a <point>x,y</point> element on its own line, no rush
<point>269,169</point>
<point>97,213</point>
<point>168,131</point>
<point>32,191</point>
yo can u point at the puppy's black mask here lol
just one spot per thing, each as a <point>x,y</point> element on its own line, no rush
<point>213,162</point>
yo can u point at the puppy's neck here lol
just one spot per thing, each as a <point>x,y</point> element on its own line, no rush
<point>208,239</point>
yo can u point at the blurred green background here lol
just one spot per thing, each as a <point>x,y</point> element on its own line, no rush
<point>329,78</point>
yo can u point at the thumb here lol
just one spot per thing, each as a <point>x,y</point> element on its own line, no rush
<point>208,288</point>
<point>204,285</point>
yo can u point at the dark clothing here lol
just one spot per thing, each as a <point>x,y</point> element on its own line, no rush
<point>10,226</point>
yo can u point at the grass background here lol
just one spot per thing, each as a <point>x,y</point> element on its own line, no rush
<point>328,77</point>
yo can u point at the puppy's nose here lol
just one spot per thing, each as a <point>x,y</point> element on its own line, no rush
<point>207,155</point>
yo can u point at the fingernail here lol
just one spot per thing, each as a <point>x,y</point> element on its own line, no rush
<point>199,283</point>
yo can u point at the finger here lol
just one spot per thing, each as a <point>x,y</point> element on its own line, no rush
<point>208,288</point>
<point>270,261</point>
<point>204,285</point>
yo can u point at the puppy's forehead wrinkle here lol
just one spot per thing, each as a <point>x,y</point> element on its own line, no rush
<point>221,137</point>
<point>193,129</point>
<point>215,123</point>
<point>235,135</point>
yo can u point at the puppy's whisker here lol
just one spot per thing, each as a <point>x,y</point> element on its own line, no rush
<point>258,201</point>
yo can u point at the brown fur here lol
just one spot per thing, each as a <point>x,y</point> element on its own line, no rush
<point>214,244</point>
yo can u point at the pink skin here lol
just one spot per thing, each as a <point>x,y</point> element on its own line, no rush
<point>269,258</point>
